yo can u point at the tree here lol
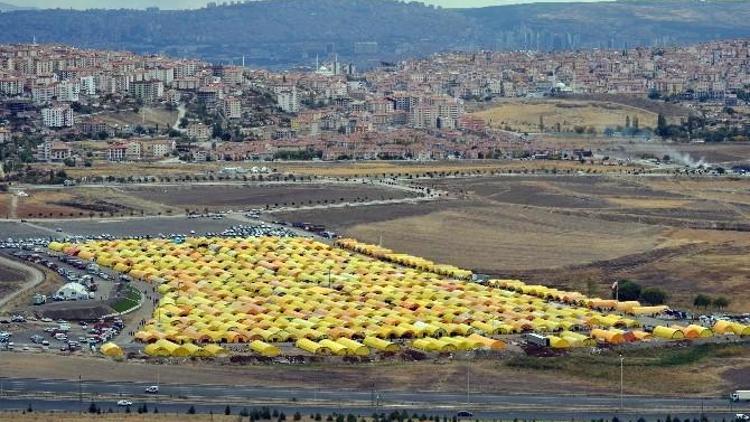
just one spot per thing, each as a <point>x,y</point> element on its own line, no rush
<point>191,410</point>
<point>228,410</point>
<point>702,301</point>
<point>654,296</point>
<point>628,290</point>
<point>662,129</point>
<point>721,302</point>
<point>627,121</point>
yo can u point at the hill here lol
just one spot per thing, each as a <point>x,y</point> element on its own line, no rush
<point>291,32</point>
<point>5,7</point>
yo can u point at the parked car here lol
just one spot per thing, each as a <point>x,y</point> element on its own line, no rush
<point>124,403</point>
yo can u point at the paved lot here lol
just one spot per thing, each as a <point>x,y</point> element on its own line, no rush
<point>16,229</point>
<point>140,226</point>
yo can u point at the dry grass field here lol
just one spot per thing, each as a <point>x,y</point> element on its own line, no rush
<point>524,115</point>
<point>709,369</point>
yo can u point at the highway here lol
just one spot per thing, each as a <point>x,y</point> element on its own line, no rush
<point>54,394</point>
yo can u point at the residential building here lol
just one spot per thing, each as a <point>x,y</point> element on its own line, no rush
<point>58,116</point>
<point>149,91</point>
<point>232,108</point>
<point>199,131</point>
<point>54,151</point>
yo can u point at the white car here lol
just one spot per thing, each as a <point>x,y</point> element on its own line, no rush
<point>152,389</point>
<point>741,417</point>
<point>124,403</point>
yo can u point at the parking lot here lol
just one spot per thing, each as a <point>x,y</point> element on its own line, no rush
<point>44,334</point>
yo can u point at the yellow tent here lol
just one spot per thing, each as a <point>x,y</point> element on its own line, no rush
<point>264,349</point>
<point>336,348</point>
<point>728,327</point>
<point>668,333</point>
<point>214,350</point>
<point>112,350</point>
<point>608,336</point>
<point>487,342</point>
<point>354,347</point>
<point>312,347</point>
<point>380,344</point>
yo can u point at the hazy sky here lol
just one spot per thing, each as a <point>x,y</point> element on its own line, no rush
<point>181,4</point>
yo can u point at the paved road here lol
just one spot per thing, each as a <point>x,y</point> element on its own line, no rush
<point>367,410</point>
<point>558,405</point>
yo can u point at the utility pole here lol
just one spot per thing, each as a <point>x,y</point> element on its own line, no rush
<point>468,384</point>
<point>80,395</point>
<point>622,361</point>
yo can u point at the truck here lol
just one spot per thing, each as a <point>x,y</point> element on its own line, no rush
<point>740,395</point>
<point>536,339</point>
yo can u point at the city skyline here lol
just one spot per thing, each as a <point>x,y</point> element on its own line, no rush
<point>192,4</point>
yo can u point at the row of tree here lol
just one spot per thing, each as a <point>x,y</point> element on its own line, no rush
<point>630,290</point>
<point>705,301</point>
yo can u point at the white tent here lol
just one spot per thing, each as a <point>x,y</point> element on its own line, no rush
<point>73,291</point>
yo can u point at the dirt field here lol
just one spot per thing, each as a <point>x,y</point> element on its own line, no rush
<point>78,202</point>
<point>673,112</point>
<point>524,115</point>
<point>328,169</point>
<point>214,197</point>
<point>9,280</point>
<point>567,230</point>
<point>147,117</point>
<point>489,238</point>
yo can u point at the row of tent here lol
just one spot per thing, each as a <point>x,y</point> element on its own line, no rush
<point>166,348</point>
<point>419,263</point>
<point>628,307</point>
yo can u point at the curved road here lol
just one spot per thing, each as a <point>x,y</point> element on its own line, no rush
<point>34,277</point>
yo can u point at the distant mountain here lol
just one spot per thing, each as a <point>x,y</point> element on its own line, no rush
<point>291,32</point>
<point>618,24</point>
<point>5,7</point>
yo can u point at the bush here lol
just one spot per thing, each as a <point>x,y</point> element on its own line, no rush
<point>702,301</point>
<point>721,302</point>
<point>628,290</point>
<point>654,296</point>
<point>191,410</point>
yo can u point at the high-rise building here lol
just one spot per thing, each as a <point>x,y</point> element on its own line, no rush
<point>149,91</point>
<point>58,116</point>
<point>232,108</point>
